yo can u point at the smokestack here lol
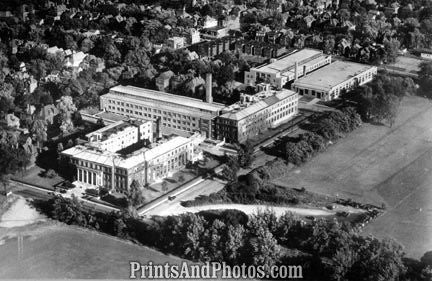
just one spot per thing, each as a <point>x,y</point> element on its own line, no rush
<point>209,84</point>
<point>296,71</point>
<point>158,128</point>
<point>304,70</point>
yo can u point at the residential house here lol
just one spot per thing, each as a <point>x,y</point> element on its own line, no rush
<point>194,36</point>
<point>48,113</point>
<point>308,21</point>
<point>75,59</point>
<point>176,42</point>
<point>12,121</point>
<point>163,81</point>
<point>209,22</point>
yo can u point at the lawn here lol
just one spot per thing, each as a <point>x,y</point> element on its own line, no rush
<point>378,164</point>
<point>156,190</point>
<point>60,251</point>
<point>31,176</point>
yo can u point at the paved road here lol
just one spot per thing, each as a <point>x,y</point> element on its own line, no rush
<point>204,188</point>
<point>35,192</point>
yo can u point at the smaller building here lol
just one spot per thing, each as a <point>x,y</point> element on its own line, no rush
<point>48,113</point>
<point>215,32</point>
<point>209,22</point>
<point>194,36</point>
<point>121,134</point>
<point>75,59</point>
<point>176,42</point>
<point>330,81</point>
<point>255,114</point>
<point>424,53</point>
<point>163,80</point>
<point>12,121</point>
<point>287,68</point>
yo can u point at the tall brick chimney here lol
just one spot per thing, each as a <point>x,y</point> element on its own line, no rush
<point>158,128</point>
<point>296,70</point>
<point>208,87</point>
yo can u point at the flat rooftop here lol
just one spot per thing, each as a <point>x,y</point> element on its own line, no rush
<point>126,162</point>
<point>238,112</point>
<point>332,75</point>
<point>302,57</point>
<point>147,94</point>
<point>111,116</point>
<point>116,127</point>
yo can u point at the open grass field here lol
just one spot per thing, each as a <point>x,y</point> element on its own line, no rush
<point>60,251</point>
<point>378,164</point>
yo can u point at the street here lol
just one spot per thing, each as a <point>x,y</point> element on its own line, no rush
<point>204,188</point>
<point>29,191</point>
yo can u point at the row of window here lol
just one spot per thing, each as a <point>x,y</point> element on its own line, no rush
<point>177,116</point>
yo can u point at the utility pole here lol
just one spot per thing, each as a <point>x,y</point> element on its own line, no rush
<point>20,245</point>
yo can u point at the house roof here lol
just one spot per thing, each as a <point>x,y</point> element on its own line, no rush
<point>47,111</point>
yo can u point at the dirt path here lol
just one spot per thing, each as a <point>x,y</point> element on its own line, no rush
<point>253,209</point>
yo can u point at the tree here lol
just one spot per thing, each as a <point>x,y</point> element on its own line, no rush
<point>66,108</point>
<point>234,243</point>
<point>134,194</point>
<point>425,79</point>
<point>181,178</point>
<point>214,241</point>
<point>100,122</point>
<point>39,130</point>
<point>245,154</point>
<point>164,186</point>
<point>265,250</point>
<point>378,260</point>
<point>12,160</point>
<point>391,47</point>
<point>231,169</point>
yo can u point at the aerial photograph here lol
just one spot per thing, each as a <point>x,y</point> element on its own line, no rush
<point>216,140</point>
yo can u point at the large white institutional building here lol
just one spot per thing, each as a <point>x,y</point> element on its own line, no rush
<point>288,68</point>
<point>178,114</point>
<point>329,82</point>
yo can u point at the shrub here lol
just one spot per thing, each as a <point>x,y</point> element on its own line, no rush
<point>50,174</point>
<point>103,191</point>
<point>121,202</point>
<point>92,191</point>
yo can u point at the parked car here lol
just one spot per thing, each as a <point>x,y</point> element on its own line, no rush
<point>171,198</point>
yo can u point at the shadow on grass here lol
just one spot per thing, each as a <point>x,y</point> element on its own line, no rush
<point>377,123</point>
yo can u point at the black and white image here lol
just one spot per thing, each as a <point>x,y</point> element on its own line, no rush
<point>216,139</point>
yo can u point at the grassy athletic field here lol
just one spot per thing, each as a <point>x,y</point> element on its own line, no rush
<point>378,164</point>
<point>60,251</point>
